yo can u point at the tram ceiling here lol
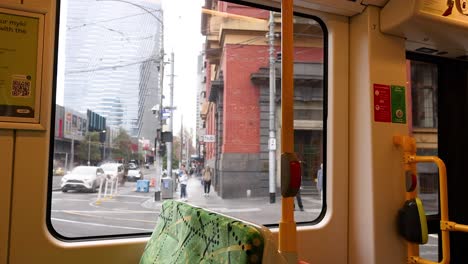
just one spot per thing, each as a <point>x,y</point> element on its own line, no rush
<point>340,7</point>
<point>435,27</point>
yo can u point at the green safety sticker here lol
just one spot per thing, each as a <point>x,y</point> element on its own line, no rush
<point>398,100</point>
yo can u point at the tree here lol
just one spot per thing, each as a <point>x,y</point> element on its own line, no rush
<point>122,146</point>
<point>90,146</point>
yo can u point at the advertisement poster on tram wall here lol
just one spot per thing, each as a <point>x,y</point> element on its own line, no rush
<point>20,66</point>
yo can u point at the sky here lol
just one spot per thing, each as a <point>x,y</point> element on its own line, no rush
<point>181,23</point>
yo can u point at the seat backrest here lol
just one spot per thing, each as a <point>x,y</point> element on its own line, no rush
<point>188,234</point>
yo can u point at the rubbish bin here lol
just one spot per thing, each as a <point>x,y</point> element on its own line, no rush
<point>166,188</point>
<point>142,186</point>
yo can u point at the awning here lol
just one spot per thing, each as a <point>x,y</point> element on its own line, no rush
<point>204,110</point>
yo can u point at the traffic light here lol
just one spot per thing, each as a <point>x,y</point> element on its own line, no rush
<point>166,136</point>
<point>162,149</point>
<point>102,136</point>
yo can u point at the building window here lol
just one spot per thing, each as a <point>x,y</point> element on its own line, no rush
<point>424,94</point>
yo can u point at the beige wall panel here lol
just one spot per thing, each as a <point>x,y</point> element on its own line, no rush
<point>6,174</point>
<point>376,176</point>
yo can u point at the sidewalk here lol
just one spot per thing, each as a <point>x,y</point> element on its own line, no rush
<point>195,196</point>
<point>253,209</point>
<point>56,183</point>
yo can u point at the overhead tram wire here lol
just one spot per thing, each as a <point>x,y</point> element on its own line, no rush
<point>242,43</point>
<point>110,67</point>
<point>150,12</point>
<point>108,20</point>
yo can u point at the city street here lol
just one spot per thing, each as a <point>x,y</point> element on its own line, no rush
<point>76,214</point>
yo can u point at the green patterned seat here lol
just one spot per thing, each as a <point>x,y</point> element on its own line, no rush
<point>188,234</point>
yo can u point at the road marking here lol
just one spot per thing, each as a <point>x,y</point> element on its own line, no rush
<point>113,218</point>
<point>96,224</point>
<point>134,196</point>
<point>111,212</point>
<point>434,236</point>
<point>73,200</point>
<point>115,201</point>
<point>241,210</point>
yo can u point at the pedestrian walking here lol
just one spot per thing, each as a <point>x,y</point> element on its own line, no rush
<point>183,180</point>
<point>298,195</point>
<point>320,181</point>
<point>207,173</point>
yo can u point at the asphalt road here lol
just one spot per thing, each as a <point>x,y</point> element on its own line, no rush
<point>76,214</point>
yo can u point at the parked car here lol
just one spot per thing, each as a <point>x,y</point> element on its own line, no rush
<point>115,170</point>
<point>132,166</point>
<point>82,178</point>
<point>134,175</point>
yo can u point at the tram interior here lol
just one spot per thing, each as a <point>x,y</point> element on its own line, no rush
<point>419,45</point>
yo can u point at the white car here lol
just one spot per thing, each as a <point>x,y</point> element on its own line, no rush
<point>82,178</point>
<point>132,166</point>
<point>134,175</point>
<point>114,170</point>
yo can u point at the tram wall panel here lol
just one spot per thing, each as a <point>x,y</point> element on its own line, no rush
<point>242,172</point>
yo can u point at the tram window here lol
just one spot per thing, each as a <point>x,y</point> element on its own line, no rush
<point>119,65</point>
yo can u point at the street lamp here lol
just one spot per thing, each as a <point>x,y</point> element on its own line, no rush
<point>89,147</point>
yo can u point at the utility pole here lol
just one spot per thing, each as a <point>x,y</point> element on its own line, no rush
<point>187,154</point>
<point>171,117</point>
<point>159,160</point>
<point>89,148</point>
<point>181,138</point>
<point>272,130</point>
<point>72,156</point>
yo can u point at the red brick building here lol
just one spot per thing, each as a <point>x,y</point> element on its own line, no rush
<point>236,110</point>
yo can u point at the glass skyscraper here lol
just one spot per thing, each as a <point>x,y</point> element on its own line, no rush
<point>112,58</point>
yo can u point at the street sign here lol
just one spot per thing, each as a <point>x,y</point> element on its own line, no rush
<point>166,115</point>
<point>209,138</point>
<point>272,144</point>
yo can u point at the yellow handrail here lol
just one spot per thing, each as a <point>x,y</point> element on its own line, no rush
<point>443,207</point>
<point>287,226</point>
<point>410,159</point>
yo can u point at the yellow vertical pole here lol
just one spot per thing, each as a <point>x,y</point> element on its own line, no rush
<point>408,144</point>
<point>287,227</point>
<point>443,198</point>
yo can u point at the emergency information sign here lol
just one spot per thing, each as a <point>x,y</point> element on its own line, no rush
<point>382,103</point>
<point>389,103</point>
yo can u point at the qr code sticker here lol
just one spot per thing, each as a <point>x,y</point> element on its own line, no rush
<point>21,88</point>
